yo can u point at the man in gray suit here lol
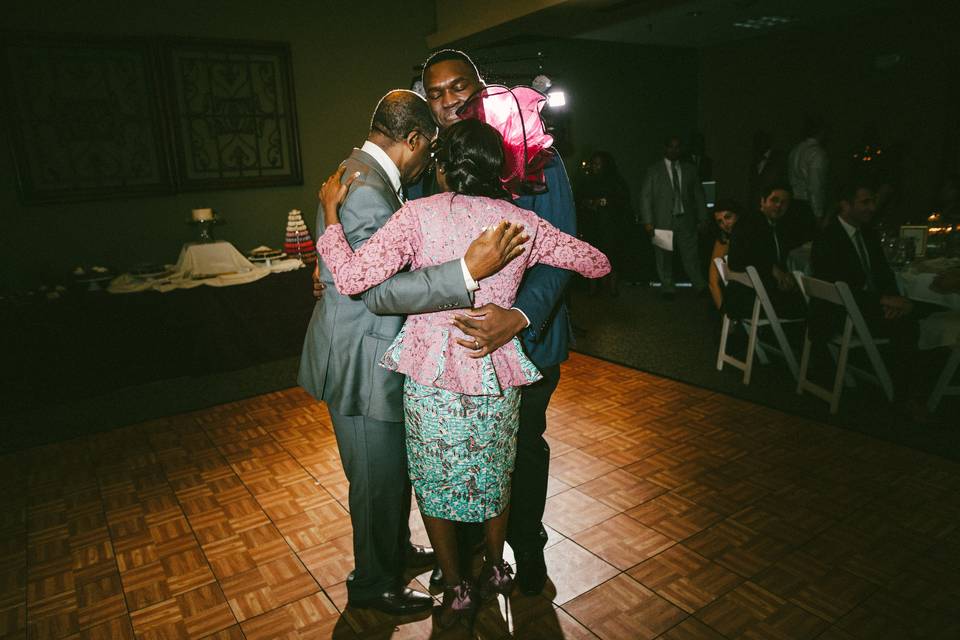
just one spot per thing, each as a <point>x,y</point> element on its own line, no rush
<point>672,199</point>
<point>345,341</point>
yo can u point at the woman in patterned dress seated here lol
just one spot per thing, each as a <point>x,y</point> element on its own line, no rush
<point>460,412</point>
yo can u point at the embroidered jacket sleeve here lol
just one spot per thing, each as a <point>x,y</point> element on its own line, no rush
<point>558,249</point>
<point>384,254</point>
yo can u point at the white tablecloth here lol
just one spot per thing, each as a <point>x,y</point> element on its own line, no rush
<point>215,264</point>
<point>915,281</point>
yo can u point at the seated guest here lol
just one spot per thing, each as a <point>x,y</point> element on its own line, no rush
<point>849,250</point>
<point>757,240</point>
<point>725,215</point>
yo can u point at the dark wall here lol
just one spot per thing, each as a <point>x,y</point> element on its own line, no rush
<point>345,56</point>
<point>622,99</point>
<point>772,82</point>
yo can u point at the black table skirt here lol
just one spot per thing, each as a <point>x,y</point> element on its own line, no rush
<point>91,343</point>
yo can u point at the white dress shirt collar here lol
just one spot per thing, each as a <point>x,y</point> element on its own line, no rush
<point>384,161</point>
<point>668,163</point>
<point>849,228</point>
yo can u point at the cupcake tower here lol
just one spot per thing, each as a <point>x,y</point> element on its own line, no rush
<point>298,243</point>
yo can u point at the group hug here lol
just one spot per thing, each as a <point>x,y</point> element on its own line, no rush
<point>448,239</point>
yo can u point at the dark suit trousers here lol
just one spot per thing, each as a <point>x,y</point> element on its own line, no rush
<point>685,242</point>
<point>529,488</point>
<point>374,457</point>
<point>903,333</point>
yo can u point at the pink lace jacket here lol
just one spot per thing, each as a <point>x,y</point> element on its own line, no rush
<point>435,230</point>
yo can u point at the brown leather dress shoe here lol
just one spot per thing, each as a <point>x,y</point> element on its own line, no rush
<point>396,602</point>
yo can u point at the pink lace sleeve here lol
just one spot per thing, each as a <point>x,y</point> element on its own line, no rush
<point>386,252</point>
<point>558,249</point>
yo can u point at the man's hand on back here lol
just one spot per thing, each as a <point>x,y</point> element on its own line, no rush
<point>493,249</point>
<point>489,327</point>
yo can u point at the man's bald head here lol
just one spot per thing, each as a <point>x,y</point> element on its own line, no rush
<point>400,112</point>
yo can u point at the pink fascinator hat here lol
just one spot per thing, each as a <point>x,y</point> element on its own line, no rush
<point>527,146</point>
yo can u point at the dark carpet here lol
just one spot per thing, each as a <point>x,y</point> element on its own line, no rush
<point>678,339</point>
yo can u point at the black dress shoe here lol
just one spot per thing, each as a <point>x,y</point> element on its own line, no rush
<point>531,572</point>
<point>419,556</point>
<point>436,577</point>
<point>397,602</point>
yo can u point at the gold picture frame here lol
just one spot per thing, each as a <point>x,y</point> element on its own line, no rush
<point>918,233</point>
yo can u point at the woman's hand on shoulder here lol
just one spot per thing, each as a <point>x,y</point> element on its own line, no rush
<point>333,193</point>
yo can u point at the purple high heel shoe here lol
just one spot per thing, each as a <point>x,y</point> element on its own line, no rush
<point>495,578</point>
<point>459,603</point>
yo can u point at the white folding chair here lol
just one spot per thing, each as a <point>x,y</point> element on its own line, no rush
<point>838,293</point>
<point>752,280</point>
<point>943,386</point>
<point>939,329</point>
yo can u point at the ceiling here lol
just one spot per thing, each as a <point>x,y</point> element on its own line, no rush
<point>681,23</point>
<point>702,23</point>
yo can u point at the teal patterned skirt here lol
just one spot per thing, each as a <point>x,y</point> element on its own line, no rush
<point>460,450</point>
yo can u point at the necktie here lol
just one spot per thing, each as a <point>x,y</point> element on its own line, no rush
<point>776,242</point>
<point>400,194</point>
<point>677,201</point>
<point>864,259</point>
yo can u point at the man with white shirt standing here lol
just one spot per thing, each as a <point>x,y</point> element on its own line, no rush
<point>345,342</point>
<point>807,167</point>
<point>672,199</point>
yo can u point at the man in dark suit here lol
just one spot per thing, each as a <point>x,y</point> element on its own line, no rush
<point>759,241</point>
<point>539,317</point>
<point>767,166</point>
<point>849,250</point>
<point>672,199</point>
<point>345,341</point>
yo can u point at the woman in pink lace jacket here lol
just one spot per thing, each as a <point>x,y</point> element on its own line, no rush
<point>460,412</point>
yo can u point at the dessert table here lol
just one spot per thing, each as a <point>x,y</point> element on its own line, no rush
<point>87,343</point>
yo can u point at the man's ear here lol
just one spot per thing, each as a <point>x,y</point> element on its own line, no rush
<point>411,139</point>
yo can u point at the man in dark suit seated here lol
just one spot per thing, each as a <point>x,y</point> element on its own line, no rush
<point>759,241</point>
<point>849,250</point>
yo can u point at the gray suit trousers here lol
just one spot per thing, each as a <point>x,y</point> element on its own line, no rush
<point>684,243</point>
<point>374,457</point>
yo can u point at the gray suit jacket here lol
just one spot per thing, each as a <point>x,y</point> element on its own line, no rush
<point>656,196</point>
<point>345,339</point>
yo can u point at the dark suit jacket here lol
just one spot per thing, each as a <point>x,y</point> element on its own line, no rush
<point>774,171</point>
<point>834,258</point>
<point>752,243</point>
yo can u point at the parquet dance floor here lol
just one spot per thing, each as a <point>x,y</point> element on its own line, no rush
<point>675,513</point>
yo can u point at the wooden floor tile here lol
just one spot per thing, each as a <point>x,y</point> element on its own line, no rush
<point>310,617</point>
<point>267,587</point>
<point>621,490</point>
<point>685,578</point>
<point>116,629</point>
<point>623,608</point>
<point>573,511</point>
<point>315,526</point>
<point>573,570</point>
<point>331,561</point>
<point>692,629</point>
<point>750,611</point>
<point>673,516</point>
<point>576,467</point>
<point>822,589</point>
<point>737,548</point>
<point>622,541</point>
